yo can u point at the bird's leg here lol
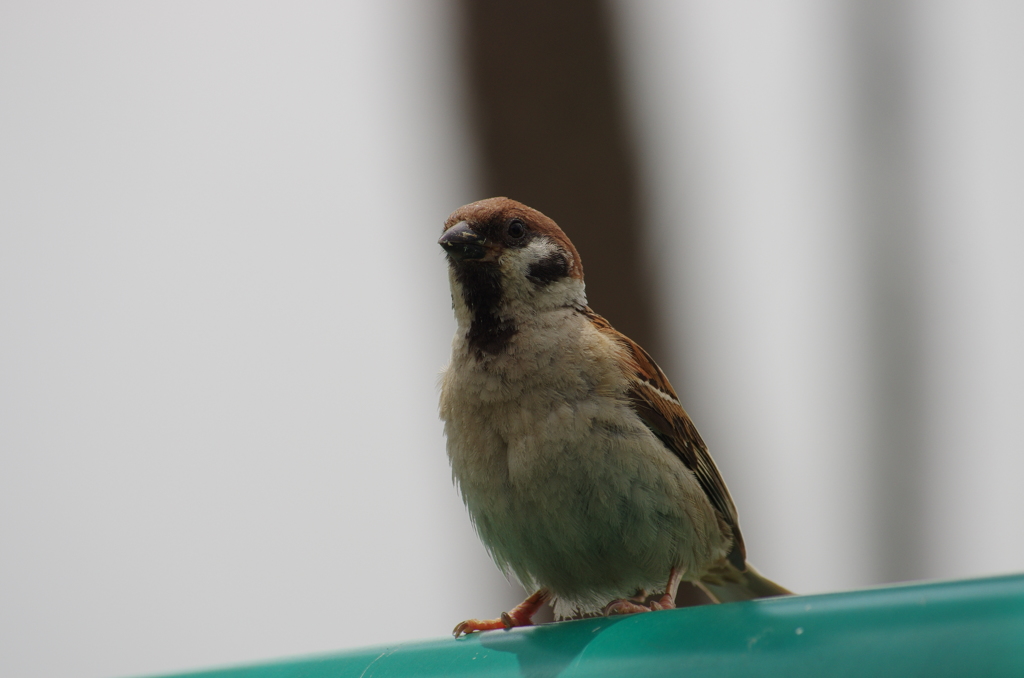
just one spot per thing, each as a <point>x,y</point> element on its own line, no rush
<point>520,615</point>
<point>666,602</point>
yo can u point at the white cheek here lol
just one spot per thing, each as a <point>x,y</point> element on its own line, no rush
<point>516,263</point>
<point>540,249</point>
<point>520,290</point>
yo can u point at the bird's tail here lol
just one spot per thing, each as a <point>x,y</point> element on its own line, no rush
<point>727,585</point>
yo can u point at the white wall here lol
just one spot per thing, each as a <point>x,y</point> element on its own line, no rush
<point>222,315</point>
<point>835,189</point>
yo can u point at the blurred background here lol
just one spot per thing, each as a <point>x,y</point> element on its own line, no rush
<point>223,310</point>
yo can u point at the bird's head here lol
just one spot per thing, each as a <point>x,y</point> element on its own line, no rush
<point>508,261</point>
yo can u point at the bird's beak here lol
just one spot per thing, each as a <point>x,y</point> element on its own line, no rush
<point>462,242</point>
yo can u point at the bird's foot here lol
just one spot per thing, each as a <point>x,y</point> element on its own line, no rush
<point>631,605</point>
<point>639,604</point>
<point>624,606</point>
<point>521,615</point>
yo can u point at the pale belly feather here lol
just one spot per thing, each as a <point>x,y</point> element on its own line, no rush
<point>566,486</point>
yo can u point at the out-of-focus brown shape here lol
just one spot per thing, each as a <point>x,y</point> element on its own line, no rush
<point>547,108</point>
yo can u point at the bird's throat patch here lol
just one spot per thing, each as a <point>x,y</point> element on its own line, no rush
<point>482,292</point>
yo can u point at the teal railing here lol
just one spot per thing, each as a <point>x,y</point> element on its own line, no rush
<point>964,628</point>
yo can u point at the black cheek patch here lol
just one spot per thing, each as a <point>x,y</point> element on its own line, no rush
<point>549,269</point>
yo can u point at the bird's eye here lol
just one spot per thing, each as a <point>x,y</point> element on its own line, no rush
<point>516,229</point>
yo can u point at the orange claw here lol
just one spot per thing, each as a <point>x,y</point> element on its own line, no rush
<point>521,615</point>
<point>473,625</point>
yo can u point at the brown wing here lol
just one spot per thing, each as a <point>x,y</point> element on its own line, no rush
<point>656,403</point>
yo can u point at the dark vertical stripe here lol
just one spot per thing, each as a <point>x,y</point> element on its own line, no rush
<point>880,34</point>
<point>547,108</point>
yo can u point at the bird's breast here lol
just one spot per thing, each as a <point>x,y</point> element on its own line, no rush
<point>507,415</point>
<point>566,485</point>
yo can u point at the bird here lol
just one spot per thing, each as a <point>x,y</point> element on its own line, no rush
<point>582,473</point>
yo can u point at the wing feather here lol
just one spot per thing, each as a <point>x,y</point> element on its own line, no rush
<point>656,403</point>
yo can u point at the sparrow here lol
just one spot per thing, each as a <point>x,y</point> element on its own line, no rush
<point>582,474</point>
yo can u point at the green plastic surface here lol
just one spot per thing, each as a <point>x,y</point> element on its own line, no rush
<point>963,628</point>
